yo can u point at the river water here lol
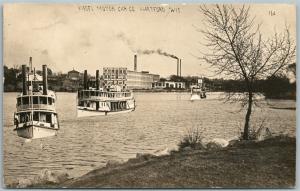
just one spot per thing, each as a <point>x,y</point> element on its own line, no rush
<point>159,121</point>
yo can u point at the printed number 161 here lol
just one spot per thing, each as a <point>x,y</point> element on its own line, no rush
<point>272,13</point>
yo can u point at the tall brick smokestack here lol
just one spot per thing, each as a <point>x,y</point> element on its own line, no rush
<point>45,82</point>
<point>180,67</point>
<point>135,63</point>
<point>85,80</point>
<point>24,80</point>
<point>177,66</point>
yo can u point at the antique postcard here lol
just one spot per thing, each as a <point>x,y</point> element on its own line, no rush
<point>149,95</point>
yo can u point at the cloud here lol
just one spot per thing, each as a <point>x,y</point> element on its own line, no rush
<point>45,52</point>
<point>58,18</point>
<point>84,39</point>
<point>121,36</point>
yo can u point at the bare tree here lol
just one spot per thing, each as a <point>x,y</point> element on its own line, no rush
<point>238,50</point>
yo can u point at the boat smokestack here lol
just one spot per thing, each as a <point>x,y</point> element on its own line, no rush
<point>45,82</point>
<point>97,87</point>
<point>30,63</point>
<point>135,63</point>
<point>24,80</point>
<point>85,80</point>
<point>97,79</point>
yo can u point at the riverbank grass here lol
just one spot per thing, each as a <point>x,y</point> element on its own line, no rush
<point>245,164</point>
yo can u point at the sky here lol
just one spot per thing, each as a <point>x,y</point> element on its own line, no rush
<point>93,36</point>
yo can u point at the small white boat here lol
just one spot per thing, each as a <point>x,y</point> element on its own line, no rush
<point>198,91</point>
<point>96,101</point>
<point>36,115</point>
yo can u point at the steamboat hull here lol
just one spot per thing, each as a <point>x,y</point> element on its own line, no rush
<point>195,97</point>
<point>89,113</point>
<point>109,103</point>
<point>35,132</point>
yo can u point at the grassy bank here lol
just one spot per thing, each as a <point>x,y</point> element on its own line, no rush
<point>266,164</point>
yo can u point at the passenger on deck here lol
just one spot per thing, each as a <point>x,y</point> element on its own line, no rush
<point>16,121</point>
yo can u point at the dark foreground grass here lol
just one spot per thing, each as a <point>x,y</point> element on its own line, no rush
<point>267,164</point>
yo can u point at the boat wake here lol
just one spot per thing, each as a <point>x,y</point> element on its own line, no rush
<point>27,140</point>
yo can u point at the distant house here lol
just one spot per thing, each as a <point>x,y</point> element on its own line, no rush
<point>72,81</point>
<point>168,85</point>
<point>73,75</point>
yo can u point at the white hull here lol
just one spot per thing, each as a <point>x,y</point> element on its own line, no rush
<point>195,97</point>
<point>89,113</point>
<point>35,132</point>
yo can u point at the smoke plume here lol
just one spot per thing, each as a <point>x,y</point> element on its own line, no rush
<point>126,40</point>
<point>158,51</point>
<point>130,44</point>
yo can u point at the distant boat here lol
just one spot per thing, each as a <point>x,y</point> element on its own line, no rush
<point>36,115</point>
<point>198,91</point>
<point>96,101</point>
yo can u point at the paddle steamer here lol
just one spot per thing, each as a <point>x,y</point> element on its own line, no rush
<point>36,115</point>
<point>198,91</point>
<point>103,100</point>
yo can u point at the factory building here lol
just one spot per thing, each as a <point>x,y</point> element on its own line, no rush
<point>140,80</point>
<point>129,79</point>
<point>115,76</point>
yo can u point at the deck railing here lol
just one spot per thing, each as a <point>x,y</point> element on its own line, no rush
<point>105,95</point>
<point>36,106</point>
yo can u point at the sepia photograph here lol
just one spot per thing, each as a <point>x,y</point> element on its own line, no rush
<point>135,95</point>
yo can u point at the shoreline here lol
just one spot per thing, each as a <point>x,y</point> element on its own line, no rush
<point>137,90</point>
<point>247,164</point>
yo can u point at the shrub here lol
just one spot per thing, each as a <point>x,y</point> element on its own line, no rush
<point>258,132</point>
<point>193,138</point>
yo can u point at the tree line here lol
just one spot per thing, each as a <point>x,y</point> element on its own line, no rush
<point>277,86</point>
<point>274,87</point>
<point>13,78</point>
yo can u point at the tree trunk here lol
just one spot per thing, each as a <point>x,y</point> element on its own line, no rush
<point>248,114</point>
